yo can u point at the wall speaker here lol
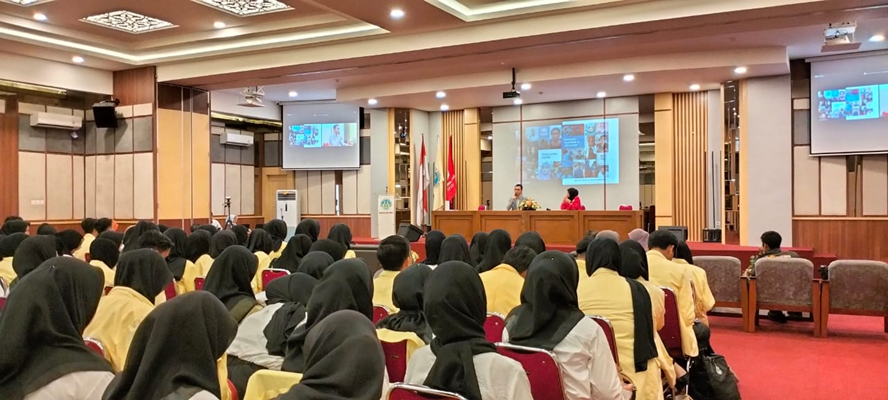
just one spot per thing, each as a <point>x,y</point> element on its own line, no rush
<point>410,231</point>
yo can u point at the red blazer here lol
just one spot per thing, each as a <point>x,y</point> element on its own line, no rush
<point>576,204</point>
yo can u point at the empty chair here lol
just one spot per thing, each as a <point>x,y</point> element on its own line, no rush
<point>784,284</point>
<point>728,288</point>
<point>398,352</point>
<point>403,391</point>
<point>541,367</point>
<point>271,274</point>
<point>380,312</point>
<point>855,287</point>
<point>494,326</point>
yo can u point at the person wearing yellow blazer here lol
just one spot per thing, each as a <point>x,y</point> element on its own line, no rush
<point>89,234</point>
<point>704,301</point>
<point>104,255</point>
<point>7,250</point>
<point>409,323</point>
<point>342,233</point>
<point>177,259</point>
<point>277,229</point>
<point>394,256</point>
<point>503,283</point>
<point>664,272</point>
<point>627,304</point>
<point>260,244</point>
<point>198,247</point>
<point>141,275</point>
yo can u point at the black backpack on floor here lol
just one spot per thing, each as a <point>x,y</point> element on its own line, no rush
<point>712,378</point>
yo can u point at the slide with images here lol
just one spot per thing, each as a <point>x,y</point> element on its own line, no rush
<point>853,103</point>
<point>322,135</point>
<point>582,152</point>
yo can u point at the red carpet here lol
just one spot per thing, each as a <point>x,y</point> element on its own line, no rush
<point>785,361</point>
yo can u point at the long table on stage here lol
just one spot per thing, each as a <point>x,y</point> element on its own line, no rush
<point>555,227</point>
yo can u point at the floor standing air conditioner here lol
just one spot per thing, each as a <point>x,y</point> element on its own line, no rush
<point>288,207</point>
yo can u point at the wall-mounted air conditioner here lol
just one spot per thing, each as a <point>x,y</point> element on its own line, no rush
<point>235,138</point>
<point>56,121</point>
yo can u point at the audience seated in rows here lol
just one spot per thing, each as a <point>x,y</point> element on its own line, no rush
<point>664,272</point>
<point>503,283</point>
<point>394,255</point>
<point>454,248</point>
<point>88,225</point>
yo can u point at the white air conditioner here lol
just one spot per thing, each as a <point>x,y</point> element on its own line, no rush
<point>235,138</point>
<point>288,208</point>
<point>56,121</point>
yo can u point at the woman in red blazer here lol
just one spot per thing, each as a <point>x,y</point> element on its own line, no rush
<point>572,200</point>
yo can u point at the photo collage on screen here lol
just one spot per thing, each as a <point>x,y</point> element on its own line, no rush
<point>853,103</point>
<point>322,135</point>
<point>573,152</point>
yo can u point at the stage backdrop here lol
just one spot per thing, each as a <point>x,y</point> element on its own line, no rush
<point>591,145</point>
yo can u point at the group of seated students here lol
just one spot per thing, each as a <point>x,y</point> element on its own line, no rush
<point>316,321</point>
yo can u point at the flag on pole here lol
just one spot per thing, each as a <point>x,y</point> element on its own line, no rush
<point>422,197</point>
<point>451,174</point>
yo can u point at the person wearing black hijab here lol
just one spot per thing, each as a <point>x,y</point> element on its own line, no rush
<point>198,248</point>
<point>454,248</point>
<point>549,318</point>
<point>14,226</point>
<point>342,234</point>
<point>310,227</point>
<point>176,260</point>
<point>460,359</point>
<point>297,247</point>
<point>314,264</point>
<point>220,242</point>
<point>260,241</point>
<point>198,245</point>
<point>344,360</point>
<point>346,285</point>
<point>42,330</point>
<point>407,294</point>
<point>212,230</point>
<point>103,254</point>
<point>433,242</point>
<point>113,236</point>
<point>241,233</point>
<point>46,229</point>
<point>333,248</point>
<point>7,250</point>
<point>184,368</point>
<point>532,240</point>
<point>229,280</point>
<point>627,304</point>
<point>478,247</point>
<point>278,231</point>
<point>69,241</point>
<point>132,236</point>
<point>498,243</point>
<point>32,252</point>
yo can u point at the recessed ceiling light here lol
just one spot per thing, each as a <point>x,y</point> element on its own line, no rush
<point>243,8</point>
<point>601,95</point>
<point>372,102</point>
<point>397,13</point>
<point>877,38</point>
<point>293,93</point>
<point>128,21</point>
<point>40,17</point>
<point>218,24</point>
<point>489,137</point>
<point>525,86</point>
<point>444,107</point>
<point>441,94</point>
<point>695,87</point>
<point>77,59</point>
<point>740,70</point>
<point>518,102</point>
<point>628,78</point>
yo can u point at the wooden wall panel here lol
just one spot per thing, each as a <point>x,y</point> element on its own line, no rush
<point>135,86</point>
<point>454,129</point>
<point>664,148</point>
<point>875,185</point>
<point>363,196</point>
<point>9,161</point>
<point>248,187</point>
<point>89,185</point>
<point>59,187</point>
<point>848,238</point>
<point>32,186</point>
<point>349,192</point>
<point>300,179</point>
<point>104,185</point>
<point>143,186</point>
<point>328,192</point>
<point>232,185</point>
<point>833,186</point>
<point>218,187</point>
<point>123,186</point>
<point>313,195</point>
<point>359,224</point>
<point>200,165</point>
<point>274,179</point>
<point>79,190</point>
<point>806,182</point>
<point>690,126</point>
<point>173,198</point>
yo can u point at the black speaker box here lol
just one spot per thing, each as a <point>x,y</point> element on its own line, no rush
<point>105,114</point>
<point>712,235</point>
<point>410,231</point>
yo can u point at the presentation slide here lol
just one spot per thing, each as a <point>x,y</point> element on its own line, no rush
<point>576,153</point>
<point>321,136</point>
<point>849,106</point>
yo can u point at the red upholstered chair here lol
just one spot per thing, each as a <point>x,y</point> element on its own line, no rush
<point>395,359</point>
<point>95,345</point>
<point>170,290</point>
<point>671,332</point>
<point>542,370</point>
<point>87,257</point>
<point>271,274</point>
<point>608,330</point>
<point>3,293</point>
<point>199,282</point>
<point>403,391</point>
<point>494,326</point>
<point>380,312</point>
<point>107,289</point>
<point>233,390</point>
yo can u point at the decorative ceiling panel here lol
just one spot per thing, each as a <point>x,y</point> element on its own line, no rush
<point>25,3</point>
<point>128,21</point>
<point>246,8</point>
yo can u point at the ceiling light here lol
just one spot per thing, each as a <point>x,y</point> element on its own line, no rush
<point>525,86</point>
<point>293,93</point>
<point>695,87</point>
<point>628,78</point>
<point>489,137</point>
<point>218,24</point>
<point>25,3</point>
<point>518,102</point>
<point>444,107</point>
<point>128,21</point>
<point>77,59</point>
<point>397,13</point>
<point>601,95</point>
<point>372,102</point>
<point>441,94</point>
<point>877,38</point>
<point>40,17</point>
<point>243,8</point>
<point>740,70</point>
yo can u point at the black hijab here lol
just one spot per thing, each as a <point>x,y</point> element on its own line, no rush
<point>333,248</point>
<point>46,229</point>
<point>454,248</point>
<point>220,242</point>
<point>132,236</point>
<point>344,360</point>
<point>144,271</point>
<point>342,234</point>
<point>175,350</point>
<point>230,280</point>
<point>297,247</point>
<point>498,243</point>
<point>635,262</point>
<point>456,306</point>
<point>277,229</point>
<point>549,307</point>
<point>605,253</point>
<point>433,242</point>
<point>478,247</point>
<point>572,193</point>
<point>113,236</point>
<point>241,233</point>
<point>212,230</point>
<point>42,326</point>
<point>105,251</point>
<point>14,226</point>
<point>198,244</point>
<point>407,293</point>
<point>314,264</point>
<point>532,240</point>
<point>310,227</point>
<point>176,260</point>
<point>9,243</point>
<point>346,285</point>
<point>293,292</point>
<point>67,241</point>
<point>260,240</point>
<point>32,252</point>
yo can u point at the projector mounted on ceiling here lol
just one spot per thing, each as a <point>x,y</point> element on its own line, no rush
<point>512,93</point>
<point>839,37</point>
<point>253,97</point>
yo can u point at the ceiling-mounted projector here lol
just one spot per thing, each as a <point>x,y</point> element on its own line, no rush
<point>253,97</point>
<point>511,94</point>
<point>839,37</point>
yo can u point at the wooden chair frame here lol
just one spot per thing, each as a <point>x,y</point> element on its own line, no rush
<point>825,310</point>
<point>814,309</point>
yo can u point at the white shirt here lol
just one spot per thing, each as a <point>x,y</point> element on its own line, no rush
<point>203,395</point>
<point>83,385</point>
<point>249,343</point>
<point>587,365</point>
<point>499,377</point>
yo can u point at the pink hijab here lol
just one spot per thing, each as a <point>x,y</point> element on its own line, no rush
<point>640,236</point>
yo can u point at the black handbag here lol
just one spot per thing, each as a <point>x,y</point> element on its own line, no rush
<point>712,379</point>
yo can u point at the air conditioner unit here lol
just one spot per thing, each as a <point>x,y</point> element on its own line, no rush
<point>288,208</point>
<point>235,138</point>
<point>56,121</point>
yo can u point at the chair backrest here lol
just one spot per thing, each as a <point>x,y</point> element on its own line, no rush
<point>95,345</point>
<point>87,257</point>
<point>670,334</point>
<point>858,285</point>
<point>271,274</point>
<point>494,326</point>
<point>542,370</point>
<point>107,289</point>
<point>380,312</point>
<point>199,282</point>
<point>723,274</point>
<point>403,391</point>
<point>170,290</point>
<point>784,280</point>
<point>4,287</point>
<point>608,330</point>
<point>395,359</point>
<point>232,389</point>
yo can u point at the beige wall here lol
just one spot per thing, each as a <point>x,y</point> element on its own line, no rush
<point>235,177</point>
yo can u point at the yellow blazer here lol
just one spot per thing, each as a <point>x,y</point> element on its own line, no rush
<point>197,269</point>
<point>106,270</point>
<point>6,271</point>
<point>115,323</point>
<point>678,278</point>
<point>502,284</point>
<point>382,289</point>
<point>704,301</point>
<point>80,254</point>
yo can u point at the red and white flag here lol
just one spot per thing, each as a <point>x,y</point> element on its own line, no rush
<point>451,174</point>
<point>422,190</point>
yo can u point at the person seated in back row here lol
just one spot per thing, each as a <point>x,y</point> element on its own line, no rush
<point>503,283</point>
<point>393,254</point>
<point>664,272</point>
<point>771,242</point>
